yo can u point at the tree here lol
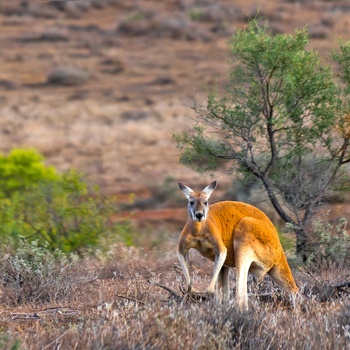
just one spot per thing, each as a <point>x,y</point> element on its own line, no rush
<point>22,168</point>
<point>284,119</point>
<point>64,214</point>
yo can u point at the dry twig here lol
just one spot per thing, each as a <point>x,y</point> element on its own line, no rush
<point>187,296</point>
<point>131,299</point>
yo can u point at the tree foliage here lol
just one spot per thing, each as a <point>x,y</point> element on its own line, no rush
<point>58,211</point>
<point>284,118</point>
<point>22,168</point>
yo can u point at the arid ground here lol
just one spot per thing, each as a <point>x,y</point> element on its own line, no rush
<point>102,86</point>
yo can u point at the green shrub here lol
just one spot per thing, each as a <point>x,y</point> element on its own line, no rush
<point>62,213</point>
<point>196,15</point>
<point>168,192</point>
<point>22,168</point>
<point>288,243</point>
<point>34,274</point>
<point>136,16</point>
<point>329,242</point>
<point>8,343</point>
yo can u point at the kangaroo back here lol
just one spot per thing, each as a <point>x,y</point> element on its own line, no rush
<point>229,217</point>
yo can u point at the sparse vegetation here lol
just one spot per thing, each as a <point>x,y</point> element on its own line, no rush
<point>155,25</point>
<point>34,274</point>
<point>109,302</point>
<point>330,243</point>
<point>68,76</point>
<point>119,308</point>
<point>196,15</point>
<point>168,192</point>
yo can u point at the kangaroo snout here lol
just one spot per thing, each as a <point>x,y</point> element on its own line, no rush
<point>199,215</point>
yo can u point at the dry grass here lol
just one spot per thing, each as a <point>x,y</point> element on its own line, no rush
<point>123,307</point>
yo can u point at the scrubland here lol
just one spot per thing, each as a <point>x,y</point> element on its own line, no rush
<point>117,301</point>
<point>101,86</point>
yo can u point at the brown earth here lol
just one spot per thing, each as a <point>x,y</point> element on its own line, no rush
<point>131,67</point>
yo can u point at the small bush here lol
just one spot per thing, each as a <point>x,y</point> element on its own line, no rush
<point>329,242</point>
<point>61,213</point>
<point>214,12</point>
<point>158,26</point>
<point>54,34</point>
<point>34,274</point>
<point>68,76</point>
<point>168,192</point>
<point>8,342</point>
<point>318,31</point>
<point>197,15</point>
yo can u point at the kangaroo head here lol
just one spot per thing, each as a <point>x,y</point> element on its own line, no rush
<point>198,206</point>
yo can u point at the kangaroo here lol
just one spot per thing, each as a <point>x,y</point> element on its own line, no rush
<point>232,234</point>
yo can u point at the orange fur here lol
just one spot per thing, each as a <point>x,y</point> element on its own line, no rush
<point>233,234</point>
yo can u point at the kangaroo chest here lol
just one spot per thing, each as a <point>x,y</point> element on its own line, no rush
<point>203,245</point>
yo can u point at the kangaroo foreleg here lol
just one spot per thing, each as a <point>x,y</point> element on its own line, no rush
<point>183,258</point>
<point>219,262</point>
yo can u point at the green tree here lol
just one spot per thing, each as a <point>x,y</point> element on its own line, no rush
<point>283,119</point>
<point>22,168</point>
<point>61,214</point>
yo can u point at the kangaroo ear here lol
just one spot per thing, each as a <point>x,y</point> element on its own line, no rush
<point>185,189</point>
<point>209,189</point>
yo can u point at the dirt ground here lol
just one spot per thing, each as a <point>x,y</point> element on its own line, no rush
<point>131,68</point>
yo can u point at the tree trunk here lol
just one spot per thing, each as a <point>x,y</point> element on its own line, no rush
<point>302,250</point>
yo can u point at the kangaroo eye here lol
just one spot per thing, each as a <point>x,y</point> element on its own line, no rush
<point>205,203</point>
<point>191,202</point>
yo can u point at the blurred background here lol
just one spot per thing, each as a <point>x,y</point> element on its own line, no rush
<point>102,85</point>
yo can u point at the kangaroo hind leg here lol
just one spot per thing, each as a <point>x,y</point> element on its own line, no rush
<point>246,260</point>
<point>243,261</point>
<point>223,281</point>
